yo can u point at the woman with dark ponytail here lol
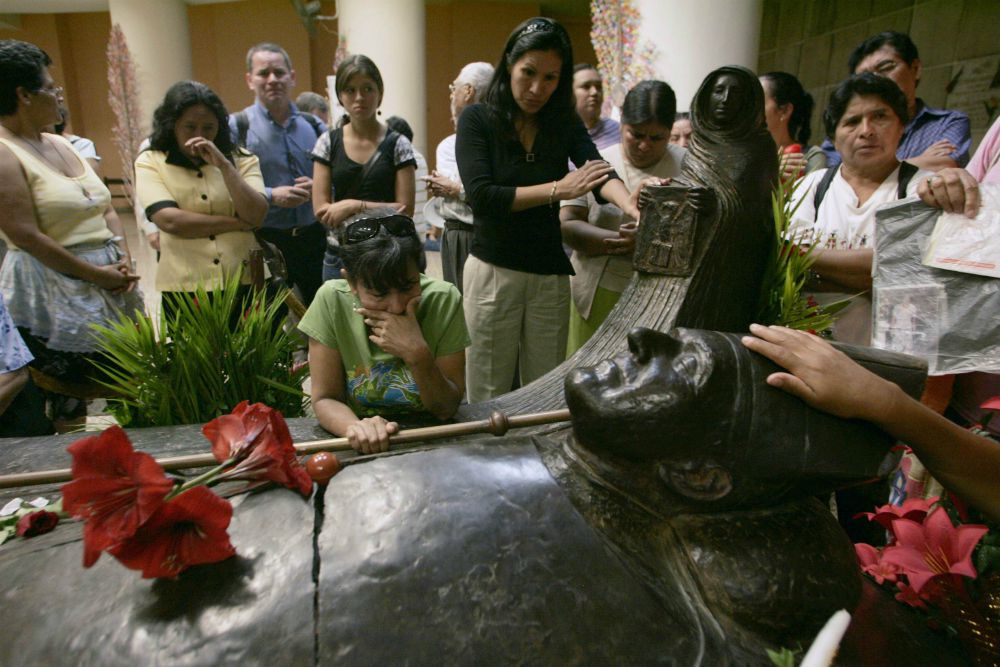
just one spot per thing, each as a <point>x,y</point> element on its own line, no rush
<point>513,151</point>
<point>787,111</point>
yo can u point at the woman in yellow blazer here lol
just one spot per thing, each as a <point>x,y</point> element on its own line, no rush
<point>203,192</point>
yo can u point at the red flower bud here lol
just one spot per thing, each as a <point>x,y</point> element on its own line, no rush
<point>36,523</point>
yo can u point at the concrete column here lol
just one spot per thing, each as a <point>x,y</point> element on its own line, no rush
<point>693,37</point>
<point>160,41</point>
<point>391,33</point>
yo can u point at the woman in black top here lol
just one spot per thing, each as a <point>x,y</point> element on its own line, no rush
<point>513,153</point>
<point>362,164</point>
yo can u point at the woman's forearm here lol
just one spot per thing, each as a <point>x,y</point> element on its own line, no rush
<point>851,269</point>
<point>614,191</point>
<point>54,256</point>
<point>250,205</point>
<point>116,227</point>
<point>530,196</point>
<point>333,415</point>
<point>439,395</point>
<point>191,225</point>
<point>962,461</point>
<point>580,235</point>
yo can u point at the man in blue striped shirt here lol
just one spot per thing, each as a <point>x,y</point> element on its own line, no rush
<point>275,131</point>
<point>934,138</point>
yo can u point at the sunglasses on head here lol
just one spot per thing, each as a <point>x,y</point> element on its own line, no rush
<point>362,230</point>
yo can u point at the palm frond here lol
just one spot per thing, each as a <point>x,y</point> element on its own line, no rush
<point>782,300</point>
<point>216,350</point>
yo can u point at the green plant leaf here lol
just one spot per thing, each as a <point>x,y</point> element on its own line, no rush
<point>783,658</point>
<point>781,299</point>
<point>218,349</point>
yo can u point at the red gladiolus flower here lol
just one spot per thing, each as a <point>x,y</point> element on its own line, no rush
<point>36,523</point>
<point>257,437</point>
<point>114,488</point>
<point>914,509</point>
<point>188,530</point>
<point>935,548</point>
<point>871,563</point>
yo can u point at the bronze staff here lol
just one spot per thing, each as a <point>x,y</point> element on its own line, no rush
<point>497,424</point>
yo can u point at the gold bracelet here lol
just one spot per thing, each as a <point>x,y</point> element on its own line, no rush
<point>552,192</point>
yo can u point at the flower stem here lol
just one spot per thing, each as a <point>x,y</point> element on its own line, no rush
<point>202,479</point>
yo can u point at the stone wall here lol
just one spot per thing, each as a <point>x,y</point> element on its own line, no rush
<point>957,40</point>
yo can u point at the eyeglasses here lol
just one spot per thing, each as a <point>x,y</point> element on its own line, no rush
<point>452,87</point>
<point>884,67</point>
<point>52,89</point>
<point>362,230</point>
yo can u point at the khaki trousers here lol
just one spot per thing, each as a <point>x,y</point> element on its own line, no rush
<point>515,319</point>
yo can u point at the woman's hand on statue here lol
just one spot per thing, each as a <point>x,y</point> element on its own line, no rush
<point>821,375</point>
<point>207,151</point>
<point>577,183</point>
<point>624,243</point>
<point>371,434</point>
<point>398,335</point>
<point>641,196</point>
<point>333,215</point>
<point>953,190</point>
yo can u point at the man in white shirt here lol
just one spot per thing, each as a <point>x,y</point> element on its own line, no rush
<point>836,207</point>
<point>444,182</point>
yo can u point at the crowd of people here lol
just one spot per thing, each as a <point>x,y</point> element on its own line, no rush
<point>537,189</point>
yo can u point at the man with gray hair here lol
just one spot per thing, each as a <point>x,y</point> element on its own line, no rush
<point>314,103</point>
<point>445,185</point>
<point>274,130</point>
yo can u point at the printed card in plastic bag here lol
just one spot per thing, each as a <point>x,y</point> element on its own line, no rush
<point>949,318</point>
<point>970,246</point>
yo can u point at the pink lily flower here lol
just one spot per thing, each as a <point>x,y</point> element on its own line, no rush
<point>872,564</point>
<point>935,548</point>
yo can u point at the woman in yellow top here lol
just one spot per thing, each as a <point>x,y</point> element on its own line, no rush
<point>202,191</point>
<point>68,264</point>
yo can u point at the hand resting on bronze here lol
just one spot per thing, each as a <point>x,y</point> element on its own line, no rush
<point>825,378</point>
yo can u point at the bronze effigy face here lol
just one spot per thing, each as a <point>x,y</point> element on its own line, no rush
<point>691,414</point>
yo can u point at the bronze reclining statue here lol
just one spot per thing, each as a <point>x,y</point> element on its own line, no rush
<point>675,523</point>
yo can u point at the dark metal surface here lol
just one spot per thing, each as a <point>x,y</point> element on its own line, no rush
<point>667,232</point>
<point>475,556</point>
<point>254,609</point>
<point>686,422</point>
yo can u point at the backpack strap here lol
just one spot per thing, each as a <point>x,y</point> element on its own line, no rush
<point>906,173</point>
<point>821,188</point>
<point>313,121</point>
<point>242,126</point>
